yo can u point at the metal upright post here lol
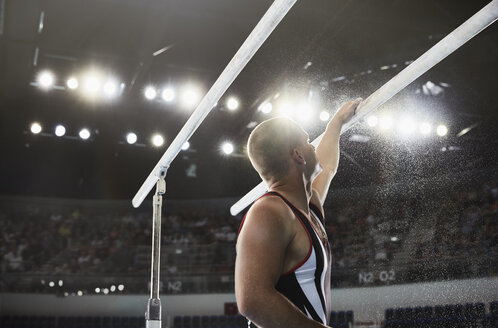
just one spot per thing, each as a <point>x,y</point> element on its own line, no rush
<point>153,314</point>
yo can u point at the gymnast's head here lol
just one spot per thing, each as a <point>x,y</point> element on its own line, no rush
<point>279,146</point>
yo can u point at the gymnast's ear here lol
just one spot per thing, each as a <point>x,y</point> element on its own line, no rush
<point>297,156</point>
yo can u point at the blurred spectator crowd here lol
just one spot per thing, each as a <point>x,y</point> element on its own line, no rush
<point>363,231</point>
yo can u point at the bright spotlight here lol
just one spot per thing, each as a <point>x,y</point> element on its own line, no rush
<point>227,148</point>
<point>51,284</point>
<point>441,130</point>
<point>425,128</point>
<point>150,93</point>
<point>97,290</point>
<point>113,288</point>
<point>266,107</point>
<point>91,85</point>
<point>36,128</point>
<point>60,130</point>
<point>304,112</point>
<point>111,88</point>
<point>157,140</point>
<point>131,138</point>
<point>61,283</point>
<point>186,145</point>
<point>80,293</point>
<point>46,80</point>
<point>120,288</point>
<point>168,94</point>
<point>372,121</point>
<point>324,116</point>
<point>232,103</point>
<point>72,83</point>
<point>407,126</point>
<point>385,122</point>
<point>106,291</point>
<point>190,97</point>
<point>84,134</point>
<point>286,109</point>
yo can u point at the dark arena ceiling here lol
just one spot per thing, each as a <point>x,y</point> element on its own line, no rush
<point>324,52</point>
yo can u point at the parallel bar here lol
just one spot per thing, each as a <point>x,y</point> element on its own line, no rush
<point>263,29</point>
<point>438,52</point>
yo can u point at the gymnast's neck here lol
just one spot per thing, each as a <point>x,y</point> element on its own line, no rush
<point>295,189</point>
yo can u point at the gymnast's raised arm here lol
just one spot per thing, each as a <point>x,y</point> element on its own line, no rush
<point>328,150</point>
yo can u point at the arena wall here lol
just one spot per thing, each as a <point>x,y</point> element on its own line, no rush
<point>368,304</point>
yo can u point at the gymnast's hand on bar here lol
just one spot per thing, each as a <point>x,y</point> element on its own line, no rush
<point>347,111</point>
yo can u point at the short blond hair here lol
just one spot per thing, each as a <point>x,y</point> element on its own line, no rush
<point>270,144</point>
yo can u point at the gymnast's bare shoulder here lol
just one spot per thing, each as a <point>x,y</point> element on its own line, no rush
<point>268,216</point>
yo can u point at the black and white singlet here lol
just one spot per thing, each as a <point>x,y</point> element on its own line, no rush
<point>307,285</point>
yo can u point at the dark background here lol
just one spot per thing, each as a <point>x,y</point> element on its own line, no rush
<point>337,38</point>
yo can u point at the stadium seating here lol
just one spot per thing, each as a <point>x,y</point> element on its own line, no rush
<point>469,315</point>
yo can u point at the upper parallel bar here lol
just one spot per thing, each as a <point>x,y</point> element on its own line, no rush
<point>263,29</point>
<point>470,28</point>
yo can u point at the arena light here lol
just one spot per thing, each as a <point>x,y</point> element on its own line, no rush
<point>72,83</point>
<point>61,283</point>
<point>442,130</point>
<point>106,291</point>
<point>190,96</point>
<point>51,284</point>
<point>60,130</point>
<point>186,145</point>
<point>425,128</point>
<point>227,148</point>
<point>324,116</point>
<point>407,126</point>
<point>385,122</point>
<point>121,287</point>
<point>45,80</point>
<point>372,121</point>
<point>97,290</point>
<point>113,288</point>
<point>304,112</point>
<point>286,109</point>
<point>111,88</point>
<point>36,128</point>
<point>150,92</point>
<point>131,138</point>
<point>232,103</point>
<point>157,140</point>
<point>84,134</point>
<point>168,94</point>
<point>80,293</point>
<point>91,84</point>
<point>265,107</point>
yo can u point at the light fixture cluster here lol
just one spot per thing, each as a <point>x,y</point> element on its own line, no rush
<point>111,289</point>
<point>60,130</point>
<point>188,96</point>
<point>92,84</point>
<point>98,290</point>
<point>131,138</point>
<point>406,125</point>
<point>96,85</point>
